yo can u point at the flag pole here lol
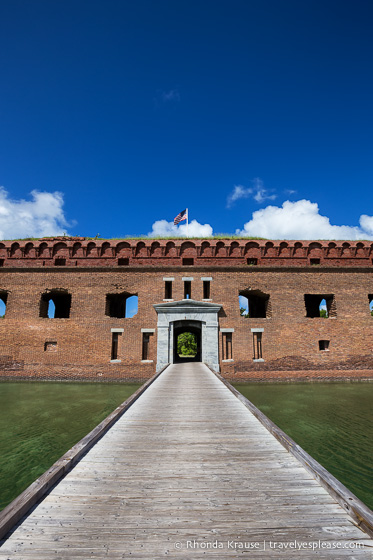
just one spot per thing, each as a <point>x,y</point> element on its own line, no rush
<point>187,213</point>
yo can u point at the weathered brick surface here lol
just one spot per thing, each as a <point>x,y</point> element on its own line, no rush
<point>91,270</point>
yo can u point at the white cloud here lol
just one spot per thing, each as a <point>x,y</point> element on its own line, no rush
<point>41,216</point>
<point>238,192</point>
<point>162,228</point>
<point>366,223</point>
<point>258,192</point>
<point>302,220</point>
<point>262,194</point>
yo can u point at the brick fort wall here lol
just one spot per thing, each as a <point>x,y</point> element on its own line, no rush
<point>88,280</point>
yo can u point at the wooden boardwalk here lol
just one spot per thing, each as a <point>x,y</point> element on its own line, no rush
<point>187,472</point>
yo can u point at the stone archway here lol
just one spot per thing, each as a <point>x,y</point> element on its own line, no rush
<point>178,314</point>
<point>194,327</point>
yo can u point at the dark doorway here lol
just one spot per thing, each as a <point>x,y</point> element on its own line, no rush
<point>187,342</point>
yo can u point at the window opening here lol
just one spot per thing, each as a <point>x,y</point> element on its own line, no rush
<point>55,304</point>
<point>206,289</point>
<point>121,306</point>
<point>146,345</point>
<point>60,262</point>
<point>323,309</point>
<point>188,262</point>
<point>51,309</point>
<point>50,346</point>
<point>123,262</point>
<point>324,344</point>
<point>254,304</point>
<point>257,344</point>
<point>1,262</point>
<point>252,262</point>
<point>227,346</point>
<point>370,297</point>
<point>3,301</point>
<point>244,306</point>
<point>168,289</point>
<point>187,289</point>
<point>114,345</point>
<point>314,262</point>
<point>132,304</point>
<point>320,305</point>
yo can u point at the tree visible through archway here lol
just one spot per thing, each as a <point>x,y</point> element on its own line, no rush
<point>187,345</point>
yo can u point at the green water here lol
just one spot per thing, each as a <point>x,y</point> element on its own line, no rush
<point>39,422</point>
<point>333,422</point>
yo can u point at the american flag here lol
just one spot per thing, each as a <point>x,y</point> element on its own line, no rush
<point>180,217</point>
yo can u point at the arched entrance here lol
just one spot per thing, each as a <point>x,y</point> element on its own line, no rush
<point>201,316</point>
<point>193,327</point>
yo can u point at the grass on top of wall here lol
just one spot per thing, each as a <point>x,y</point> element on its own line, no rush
<point>129,237</point>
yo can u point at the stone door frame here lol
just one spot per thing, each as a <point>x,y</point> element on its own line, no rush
<point>205,313</point>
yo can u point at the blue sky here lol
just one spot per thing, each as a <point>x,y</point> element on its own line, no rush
<point>134,110</point>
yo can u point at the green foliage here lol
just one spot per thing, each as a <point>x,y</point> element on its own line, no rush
<point>186,344</point>
<point>243,312</point>
<point>323,313</point>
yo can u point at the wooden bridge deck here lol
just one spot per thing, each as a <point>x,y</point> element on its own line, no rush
<point>187,472</point>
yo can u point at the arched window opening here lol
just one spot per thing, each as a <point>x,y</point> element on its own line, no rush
<point>323,309</point>
<point>254,304</point>
<point>370,297</point>
<point>244,306</point>
<point>187,345</point>
<point>132,305</point>
<point>51,309</point>
<point>320,305</point>
<point>3,300</point>
<point>121,305</point>
<point>55,304</point>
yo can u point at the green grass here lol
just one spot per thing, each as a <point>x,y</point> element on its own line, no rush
<point>159,237</point>
<point>136,237</point>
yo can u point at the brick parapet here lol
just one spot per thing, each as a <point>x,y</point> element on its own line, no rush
<point>87,253</point>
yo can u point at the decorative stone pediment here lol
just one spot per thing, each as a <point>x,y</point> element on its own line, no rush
<point>187,305</point>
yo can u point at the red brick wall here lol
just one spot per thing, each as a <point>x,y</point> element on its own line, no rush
<point>290,340</point>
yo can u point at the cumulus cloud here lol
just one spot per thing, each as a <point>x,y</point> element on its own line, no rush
<point>302,220</point>
<point>257,192</point>
<point>366,223</point>
<point>41,216</point>
<point>162,228</point>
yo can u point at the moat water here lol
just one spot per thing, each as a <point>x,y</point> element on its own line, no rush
<point>40,421</point>
<point>333,422</point>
